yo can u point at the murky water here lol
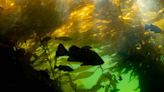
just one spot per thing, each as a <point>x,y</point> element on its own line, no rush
<point>126,34</point>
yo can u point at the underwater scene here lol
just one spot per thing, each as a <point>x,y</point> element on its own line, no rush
<point>82,45</point>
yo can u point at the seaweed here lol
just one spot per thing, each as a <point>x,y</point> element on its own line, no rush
<point>143,61</point>
<point>32,58</point>
<point>18,75</point>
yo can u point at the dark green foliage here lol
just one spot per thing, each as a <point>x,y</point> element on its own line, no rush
<point>39,16</point>
<point>45,40</point>
<point>18,75</point>
<point>95,88</point>
<point>29,19</point>
<point>141,54</point>
<point>110,79</point>
<point>115,90</point>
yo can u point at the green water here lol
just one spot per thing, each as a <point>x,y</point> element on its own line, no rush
<point>128,84</point>
<point>114,29</point>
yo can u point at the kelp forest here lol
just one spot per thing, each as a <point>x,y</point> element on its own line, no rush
<point>81,46</point>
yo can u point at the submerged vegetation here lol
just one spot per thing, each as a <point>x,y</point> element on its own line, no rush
<point>56,45</point>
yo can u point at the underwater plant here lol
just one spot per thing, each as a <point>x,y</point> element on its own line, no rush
<point>142,54</point>
<point>17,74</point>
<point>81,45</point>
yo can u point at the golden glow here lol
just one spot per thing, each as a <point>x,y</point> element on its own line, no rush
<point>102,21</point>
<point>131,14</point>
<point>7,3</point>
<point>116,2</point>
<point>127,16</point>
<point>83,13</point>
<point>62,31</point>
<point>81,18</point>
<point>12,4</point>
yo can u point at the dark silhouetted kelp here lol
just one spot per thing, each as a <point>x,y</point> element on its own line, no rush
<point>18,75</point>
<point>143,60</point>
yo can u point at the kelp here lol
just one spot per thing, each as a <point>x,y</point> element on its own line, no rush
<point>32,29</point>
<point>17,71</point>
<point>143,60</point>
